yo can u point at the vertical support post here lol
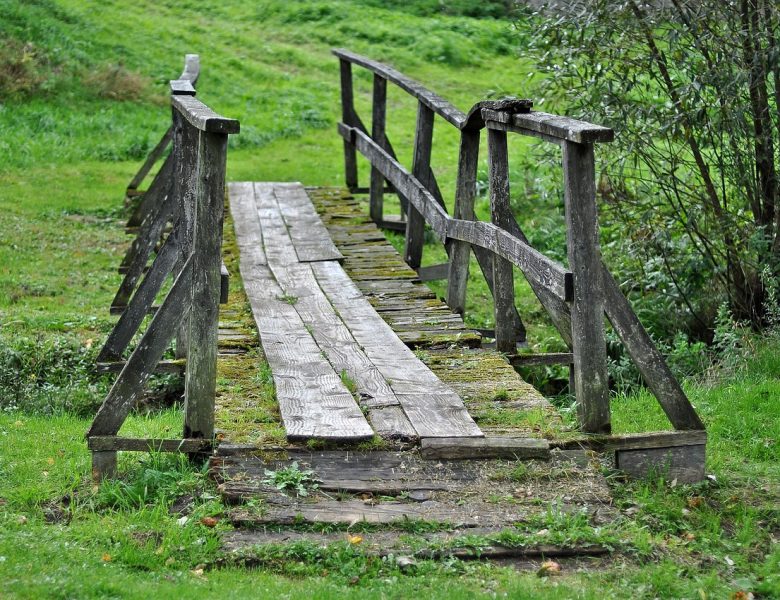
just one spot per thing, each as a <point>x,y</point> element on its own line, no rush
<point>421,168</point>
<point>465,194</point>
<point>501,216</point>
<point>103,465</point>
<point>347,117</point>
<point>201,375</point>
<point>185,148</point>
<point>587,307</point>
<point>378,113</point>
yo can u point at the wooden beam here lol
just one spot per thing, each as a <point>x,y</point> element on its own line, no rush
<point>684,464</point>
<point>110,443</point>
<point>535,360</point>
<point>433,272</point>
<point>175,367</point>
<point>153,157</point>
<point>202,117</point>
<point>587,307</point>
<point>415,224</point>
<point>378,114</point>
<point>634,441</point>
<point>347,112</point>
<point>512,448</point>
<point>552,127</point>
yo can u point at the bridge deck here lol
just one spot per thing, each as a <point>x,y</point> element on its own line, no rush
<point>332,356</point>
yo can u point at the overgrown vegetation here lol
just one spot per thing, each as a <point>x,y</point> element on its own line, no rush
<point>80,90</point>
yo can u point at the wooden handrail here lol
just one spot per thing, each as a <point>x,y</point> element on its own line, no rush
<point>577,299</point>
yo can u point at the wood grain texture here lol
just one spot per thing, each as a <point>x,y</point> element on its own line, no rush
<point>181,87</point>
<point>312,398</point>
<point>587,307</point>
<point>433,409</point>
<point>431,100</point>
<point>512,448</point>
<point>378,118</point>
<point>151,159</point>
<point>108,443</point>
<point>554,127</point>
<point>297,280</point>
<point>682,463</point>
<point>348,116</point>
<point>304,226</point>
<point>637,441</point>
<point>202,117</point>
<point>421,171</point>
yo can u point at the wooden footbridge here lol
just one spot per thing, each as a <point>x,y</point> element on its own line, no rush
<point>383,392</point>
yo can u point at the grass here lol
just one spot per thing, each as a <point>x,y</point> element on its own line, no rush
<point>84,106</point>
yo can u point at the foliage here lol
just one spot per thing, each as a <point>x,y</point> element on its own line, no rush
<point>692,89</point>
<point>292,479</point>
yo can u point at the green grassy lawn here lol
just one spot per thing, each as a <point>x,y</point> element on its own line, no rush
<point>73,131</point>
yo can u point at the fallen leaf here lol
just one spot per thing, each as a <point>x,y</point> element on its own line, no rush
<point>728,561</point>
<point>543,532</point>
<point>19,423</point>
<point>106,557</point>
<point>695,501</point>
<point>50,461</point>
<point>209,521</point>
<point>549,567</point>
<point>197,572</point>
<point>169,561</point>
<point>742,595</point>
<point>354,539</point>
<point>88,343</point>
<point>22,520</point>
<point>183,521</point>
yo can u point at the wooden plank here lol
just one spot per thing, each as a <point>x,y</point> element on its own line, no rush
<point>465,194</point>
<point>332,336</point>
<point>646,357</point>
<point>201,375</point>
<point>431,100</point>
<point>432,407</point>
<point>224,284</point>
<point>488,447</point>
<point>587,307</point>
<point>347,112</point>
<point>415,223</point>
<point>636,441</point>
<point>141,302</point>
<point>552,126</point>
<point>378,116</point>
<point>536,360</point>
<point>312,398</point>
<point>500,212</point>
<point>475,121</point>
<point>685,464</point>
<point>191,70</point>
<point>139,367</point>
<point>101,443</point>
<point>181,87</point>
<point>309,237</point>
<point>103,465</point>
<point>151,159</point>
<point>202,117</point>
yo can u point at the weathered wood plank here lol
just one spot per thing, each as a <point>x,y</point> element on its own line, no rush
<point>139,367</point>
<point>500,214</point>
<point>432,101</point>
<point>105,443</point>
<point>297,281</point>
<point>378,117</point>
<point>433,409</point>
<point>304,226</point>
<point>347,112</point>
<point>550,126</point>
<point>636,441</point>
<point>201,375</point>
<point>535,360</point>
<point>465,195</point>
<point>646,357</point>
<point>173,367</point>
<point>587,307</point>
<point>312,398</point>
<point>682,463</point>
<point>421,166</point>
<point>488,447</point>
<point>202,117</point>
<point>434,272</point>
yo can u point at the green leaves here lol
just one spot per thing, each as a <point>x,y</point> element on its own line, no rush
<point>292,479</point>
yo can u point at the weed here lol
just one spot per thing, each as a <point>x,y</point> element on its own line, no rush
<point>348,382</point>
<point>291,300</point>
<point>292,479</point>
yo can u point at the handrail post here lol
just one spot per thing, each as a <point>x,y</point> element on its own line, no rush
<point>209,202</point>
<point>465,195</point>
<point>421,168</point>
<point>587,307</point>
<point>378,114</point>
<point>347,117</point>
<point>501,216</point>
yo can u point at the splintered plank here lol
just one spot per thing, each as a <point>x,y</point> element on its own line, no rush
<point>432,407</point>
<point>313,401</point>
<point>296,280</point>
<point>309,236</point>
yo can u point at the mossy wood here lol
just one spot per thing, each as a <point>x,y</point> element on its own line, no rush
<point>181,220</point>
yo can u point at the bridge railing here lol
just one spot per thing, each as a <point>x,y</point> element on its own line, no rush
<point>576,298</point>
<point>179,237</point>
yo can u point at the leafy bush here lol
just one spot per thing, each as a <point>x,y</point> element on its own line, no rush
<point>50,375</point>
